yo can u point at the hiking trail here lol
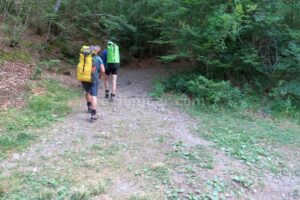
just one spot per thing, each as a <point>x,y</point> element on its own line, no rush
<point>138,147</point>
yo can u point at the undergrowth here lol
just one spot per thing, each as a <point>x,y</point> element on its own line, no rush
<point>50,105</point>
<point>198,155</point>
<point>214,95</point>
<point>45,186</point>
<point>15,55</point>
<point>245,127</point>
<point>247,138</point>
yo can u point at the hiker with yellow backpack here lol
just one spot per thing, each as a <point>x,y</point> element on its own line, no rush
<point>89,70</point>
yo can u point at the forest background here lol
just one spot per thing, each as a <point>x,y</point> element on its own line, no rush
<point>246,53</point>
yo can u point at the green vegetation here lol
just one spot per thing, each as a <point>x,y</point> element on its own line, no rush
<point>247,44</point>
<point>38,186</point>
<point>15,55</point>
<point>202,90</point>
<point>243,91</point>
<point>48,105</point>
<point>137,197</point>
<point>236,120</point>
<point>215,189</point>
<point>50,65</point>
<point>159,174</point>
<point>198,155</point>
<point>81,178</point>
<point>84,193</point>
<point>243,134</point>
<point>245,47</point>
<point>215,95</point>
<point>1,191</point>
<point>50,186</point>
<point>246,125</point>
<point>248,138</point>
<point>245,182</point>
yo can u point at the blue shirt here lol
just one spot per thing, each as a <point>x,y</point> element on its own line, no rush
<point>97,62</point>
<point>104,57</point>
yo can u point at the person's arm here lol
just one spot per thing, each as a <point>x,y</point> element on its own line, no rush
<point>101,68</point>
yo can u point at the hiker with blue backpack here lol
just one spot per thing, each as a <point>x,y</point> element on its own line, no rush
<point>111,59</point>
<point>89,71</point>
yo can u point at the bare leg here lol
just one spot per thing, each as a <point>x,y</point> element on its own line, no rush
<point>106,84</point>
<point>114,84</point>
<point>94,102</point>
<point>88,97</point>
<point>94,108</point>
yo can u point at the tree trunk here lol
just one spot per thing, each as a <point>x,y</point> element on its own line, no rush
<point>56,8</point>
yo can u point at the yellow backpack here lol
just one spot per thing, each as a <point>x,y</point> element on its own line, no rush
<point>84,67</point>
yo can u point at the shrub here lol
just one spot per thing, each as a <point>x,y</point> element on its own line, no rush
<point>158,90</point>
<point>214,92</point>
<point>201,89</point>
<point>286,98</point>
<point>2,192</point>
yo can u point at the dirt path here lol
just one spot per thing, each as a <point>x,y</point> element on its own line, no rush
<point>138,149</point>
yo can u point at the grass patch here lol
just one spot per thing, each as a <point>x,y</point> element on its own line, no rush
<point>246,135</point>
<point>48,184</point>
<point>139,197</point>
<point>158,89</point>
<point>198,155</point>
<point>158,174</point>
<point>244,181</point>
<point>106,152</point>
<point>17,126</point>
<point>97,157</point>
<point>282,103</point>
<point>250,141</point>
<point>101,188</point>
<point>216,188</point>
<point>15,55</point>
<point>37,186</point>
<point>81,193</point>
<point>2,192</point>
<point>249,138</point>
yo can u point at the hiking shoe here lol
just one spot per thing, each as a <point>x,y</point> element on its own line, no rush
<point>112,98</point>
<point>106,94</point>
<point>94,117</point>
<point>89,110</point>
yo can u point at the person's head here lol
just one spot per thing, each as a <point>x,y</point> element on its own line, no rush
<point>109,43</point>
<point>95,49</point>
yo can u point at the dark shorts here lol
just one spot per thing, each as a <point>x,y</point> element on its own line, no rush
<point>112,68</point>
<point>91,88</point>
